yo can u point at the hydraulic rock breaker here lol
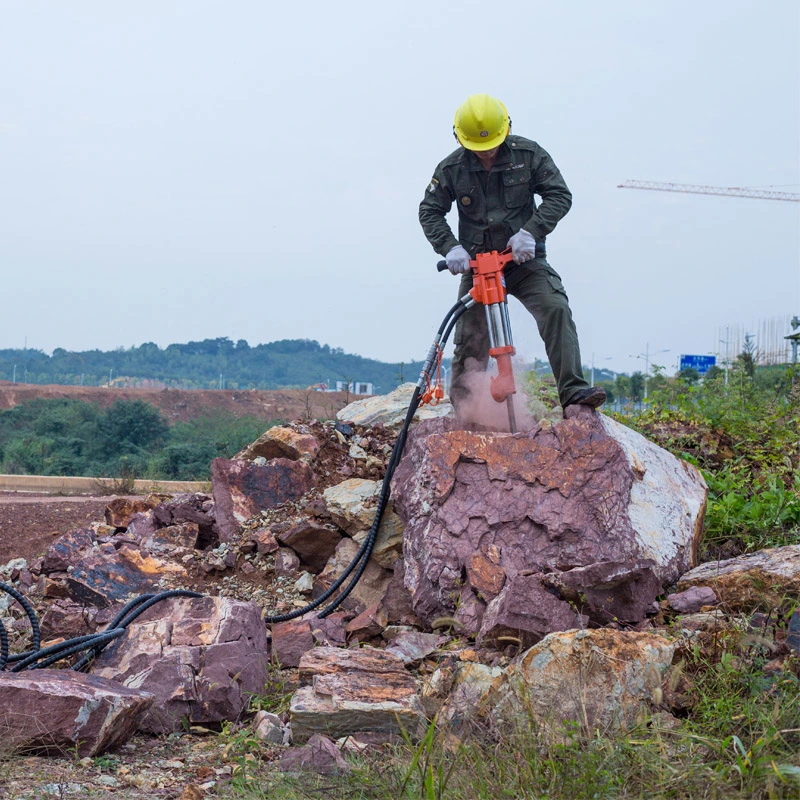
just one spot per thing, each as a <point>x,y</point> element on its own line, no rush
<point>489,289</point>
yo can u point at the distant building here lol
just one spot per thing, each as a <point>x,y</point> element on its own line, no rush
<point>355,387</point>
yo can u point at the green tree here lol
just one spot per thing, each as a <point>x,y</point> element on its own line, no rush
<point>637,386</point>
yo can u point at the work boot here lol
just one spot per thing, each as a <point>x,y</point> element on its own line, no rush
<point>592,396</point>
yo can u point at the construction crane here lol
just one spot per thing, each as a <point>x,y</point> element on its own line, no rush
<point>729,191</point>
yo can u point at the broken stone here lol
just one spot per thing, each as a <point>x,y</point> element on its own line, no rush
<point>611,591</point>
<point>286,562</point>
<point>183,535</point>
<point>471,683</point>
<point>203,658</point>
<point>67,550</point>
<point>397,599</point>
<point>369,590</point>
<point>53,712</point>
<point>413,646</point>
<point>368,624</point>
<point>352,504</point>
<point>305,583</point>
<point>264,541</point>
<point>242,489</point>
<point>108,575</point>
<point>282,442</point>
<point>345,691</point>
<point>760,580</point>
<point>269,728</point>
<point>290,640</point>
<point>584,491</point>
<point>330,631</point>
<point>390,409</point>
<point>692,600</point>
<point>320,755</point>
<point>524,612</point>
<point>595,680</point>
<point>313,541</point>
<point>69,619</point>
<point>121,510</point>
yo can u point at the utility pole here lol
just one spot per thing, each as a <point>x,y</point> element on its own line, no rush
<point>646,357</point>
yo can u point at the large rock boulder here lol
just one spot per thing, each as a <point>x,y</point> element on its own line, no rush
<point>243,488</point>
<point>536,531</point>
<point>595,680</point>
<point>54,712</point>
<point>203,658</point>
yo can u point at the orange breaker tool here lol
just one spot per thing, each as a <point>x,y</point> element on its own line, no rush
<point>489,289</point>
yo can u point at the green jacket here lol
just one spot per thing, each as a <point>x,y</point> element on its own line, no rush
<point>493,206</point>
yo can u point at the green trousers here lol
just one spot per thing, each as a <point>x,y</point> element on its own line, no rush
<point>538,287</point>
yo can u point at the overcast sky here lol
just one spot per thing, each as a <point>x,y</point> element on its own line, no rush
<point>175,171</point>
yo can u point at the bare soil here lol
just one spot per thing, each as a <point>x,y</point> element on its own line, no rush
<point>179,405</point>
<point>28,523</point>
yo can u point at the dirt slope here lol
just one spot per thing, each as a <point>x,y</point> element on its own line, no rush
<point>179,405</point>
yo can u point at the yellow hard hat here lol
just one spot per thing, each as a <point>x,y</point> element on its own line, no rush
<point>481,122</point>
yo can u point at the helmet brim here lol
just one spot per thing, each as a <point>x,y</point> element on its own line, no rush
<point>488,144</point>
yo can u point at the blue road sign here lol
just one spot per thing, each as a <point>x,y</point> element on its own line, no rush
<point>701,363</point>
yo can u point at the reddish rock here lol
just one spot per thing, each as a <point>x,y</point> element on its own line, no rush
<point>290,640</point>
<point>67,550</point>
<point>203,658</point>
<point>295,442</point>
<point>286,562</point>
<point>54,712</point>
<point>413,646</point>
<point>611,591</point>
<point>121,510</point>
<point>242,489</point>
<point>692,600</point>
<point>330,631</point>
<point>263,541</point>
<point>68,619</point>
<point>564,497</point>
<point>142,525</point>
<point>344,691</point>
<point>107,575</point>
<point>319,755</point>
<point>526,611</point>
<point>397,599</point>
<point>485,574</point>
<point>368,624</point>
<point>313,541</point>
<point>183,535</point>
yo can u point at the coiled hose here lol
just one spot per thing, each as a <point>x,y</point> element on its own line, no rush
<point>91,644</point>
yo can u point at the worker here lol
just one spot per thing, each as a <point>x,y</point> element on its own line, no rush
<point>492,177</point>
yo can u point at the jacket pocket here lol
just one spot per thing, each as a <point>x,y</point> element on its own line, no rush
<point>517,188</point>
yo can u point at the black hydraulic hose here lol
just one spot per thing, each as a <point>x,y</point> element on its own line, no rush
<point>361,558</point>
<point>127,615</point>
<point>3,647</point>
<point>28,609</point>
<point>383,502</point>
<point>39,658</point>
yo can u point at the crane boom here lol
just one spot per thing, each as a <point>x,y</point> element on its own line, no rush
<point>729,191</point>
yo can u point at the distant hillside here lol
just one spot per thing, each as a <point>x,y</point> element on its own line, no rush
<point>209,364</point>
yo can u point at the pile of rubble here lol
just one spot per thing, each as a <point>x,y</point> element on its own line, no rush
<point>507,568</point>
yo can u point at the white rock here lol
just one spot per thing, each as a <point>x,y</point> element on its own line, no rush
<point>390,409</point>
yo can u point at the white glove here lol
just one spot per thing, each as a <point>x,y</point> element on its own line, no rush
<point>457,260</point>
<point>523,246</point>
